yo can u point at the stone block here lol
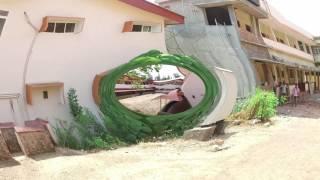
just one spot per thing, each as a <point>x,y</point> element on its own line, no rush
<point>43,124</point>
<point>4,151</point>
<point>11,140</point>
<point>200,133</point>
<point>8,133</point>
<point>34,141</point>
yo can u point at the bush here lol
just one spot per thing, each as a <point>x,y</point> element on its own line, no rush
<point>74,105</point>
<point>262,105</point>
<point>84,132</point>
<point>282,100</point>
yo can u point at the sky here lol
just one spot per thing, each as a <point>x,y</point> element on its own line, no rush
<point>303,13</point>
<point>167,70</point>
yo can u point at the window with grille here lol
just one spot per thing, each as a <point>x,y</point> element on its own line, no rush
<point>133,26</point>
<point>57,24</point>
<point>61,27</point>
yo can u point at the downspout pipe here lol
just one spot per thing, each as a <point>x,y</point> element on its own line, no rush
<point>27,62</point>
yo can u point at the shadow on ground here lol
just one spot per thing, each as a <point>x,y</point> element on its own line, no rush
<point>60,152</point>
<point>9,163</point>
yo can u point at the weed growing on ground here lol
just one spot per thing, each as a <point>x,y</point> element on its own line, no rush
<point>261,105</point>
<point>84,132</point>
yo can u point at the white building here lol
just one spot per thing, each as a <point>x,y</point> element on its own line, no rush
<point>48,47</point>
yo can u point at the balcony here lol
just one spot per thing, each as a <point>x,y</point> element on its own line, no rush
<point>288,50</point>
<point>254,45</point>
<point>251,38</point>
<point>317,59</point>
<point>247,6</point>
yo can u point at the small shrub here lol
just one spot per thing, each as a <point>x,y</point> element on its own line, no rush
<point>262,105</point>
<point>282,100</point>
<point>66,138</point>
<point>84,132</point>
<point>74,105</point>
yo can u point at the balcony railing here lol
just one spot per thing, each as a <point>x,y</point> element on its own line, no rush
<point>317,59</point>
<point>251,38</point>
<point>287,49</point>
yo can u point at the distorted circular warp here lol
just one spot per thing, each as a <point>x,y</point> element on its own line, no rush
<point>131,126</point>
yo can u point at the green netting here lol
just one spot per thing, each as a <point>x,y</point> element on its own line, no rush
<point>131,126</point>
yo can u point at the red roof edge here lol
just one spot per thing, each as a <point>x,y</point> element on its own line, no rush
<point>155,9</point>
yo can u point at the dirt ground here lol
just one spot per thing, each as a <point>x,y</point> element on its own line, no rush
<point>148,104</point>
<point>289,149</point>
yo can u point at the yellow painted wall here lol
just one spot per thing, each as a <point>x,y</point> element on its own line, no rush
<point>243,18</point>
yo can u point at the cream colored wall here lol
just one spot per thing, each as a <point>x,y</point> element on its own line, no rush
<point>289,53</point>
<point>290,58</point>
<point>244,18</point>
<point>6,111</point>
<point>282,36</point>
<point>70,58</point>
<point>266,30</point>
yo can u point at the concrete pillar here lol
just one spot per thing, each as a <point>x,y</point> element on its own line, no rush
<point>233,17</point>
<point>286,76</point>
<point>304,76</point>
<point>275,72</point>
<point>271,79</point>
<point>309,76</point>
<point>287,40</point>
<point>296,78</point>
<point>254,25</point>
<point>273,34</point>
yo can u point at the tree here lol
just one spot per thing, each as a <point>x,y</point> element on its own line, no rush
<point>145,71</point>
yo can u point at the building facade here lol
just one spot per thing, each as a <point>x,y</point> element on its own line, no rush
<point>248,37</point>
<point>48,47</point>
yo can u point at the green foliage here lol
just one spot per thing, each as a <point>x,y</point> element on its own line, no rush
<point>75,108</point>
<point>282,100</point>
<point>66,138</point>
<point>144,72</point>
<point>132,127</point>
<point>137,85</point>
<point>262,105</point>
<point>85,132</point>
<point>239,106</point>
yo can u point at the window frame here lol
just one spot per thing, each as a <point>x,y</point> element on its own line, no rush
<point>301,46</point>
<point>131,26</point>
<point>3,16</point>
<point>77,23</point>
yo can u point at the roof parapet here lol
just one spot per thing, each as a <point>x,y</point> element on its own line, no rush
<point>248,6</point>
<point>171,17</point>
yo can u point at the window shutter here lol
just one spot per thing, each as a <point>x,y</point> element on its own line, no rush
<point>128,26</point>
<point>44,26</point>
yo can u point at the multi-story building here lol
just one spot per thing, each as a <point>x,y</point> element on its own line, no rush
<point>48,47</point>
<point>248,37</point>
<point>316,51</point>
